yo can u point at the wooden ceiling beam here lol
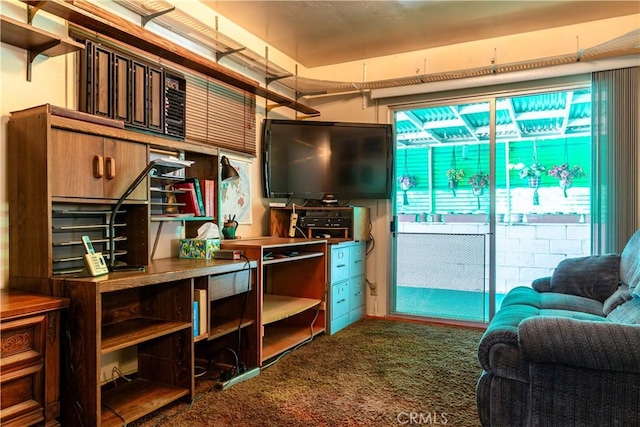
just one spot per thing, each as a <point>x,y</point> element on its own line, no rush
<point>93,18</point>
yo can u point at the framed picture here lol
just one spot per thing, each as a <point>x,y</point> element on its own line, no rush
<point>236,195</point>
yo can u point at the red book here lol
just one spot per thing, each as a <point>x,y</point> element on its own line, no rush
<point>187,196</point>
<point>208,194</point>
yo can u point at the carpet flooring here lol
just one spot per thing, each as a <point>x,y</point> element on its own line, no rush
<point>376,372</point>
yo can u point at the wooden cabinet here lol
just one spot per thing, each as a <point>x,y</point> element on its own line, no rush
<point>55,198</point>
<point>30,358</point>
<point>90,166</point>
<point>347,285</point>
<point>292,278</point>
<point>151,312</point>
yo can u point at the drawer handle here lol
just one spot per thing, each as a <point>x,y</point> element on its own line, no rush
<point>358,293</point>
<point>341,301</point>
<point>341,265</point>
<point>98,168</point>
<point>111,168</point>
<point>358,261</point>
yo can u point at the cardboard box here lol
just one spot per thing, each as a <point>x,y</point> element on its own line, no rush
<point>198,248</point>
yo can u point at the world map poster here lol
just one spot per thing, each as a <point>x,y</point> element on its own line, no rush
<point>236,195</point>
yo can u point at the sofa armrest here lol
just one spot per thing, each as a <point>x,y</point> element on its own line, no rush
<point>580,343</point>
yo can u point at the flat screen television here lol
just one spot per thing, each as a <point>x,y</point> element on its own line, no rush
<point>318,160</point>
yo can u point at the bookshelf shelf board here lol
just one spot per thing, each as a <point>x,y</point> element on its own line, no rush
<point>134,399</point>
<point>221,329</point>
<point>301,255</point>
<point>165,218</point>
<point>278,307</point>
<point>34,39</point>
<point>285,336</point>
<point>117,336</point>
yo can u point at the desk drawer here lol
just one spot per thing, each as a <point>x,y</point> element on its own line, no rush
<point>339,263</point>
<point>22,342</point>
<point>228,284</point>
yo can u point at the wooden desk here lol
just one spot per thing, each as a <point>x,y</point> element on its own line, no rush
<point>151,310</point>
<point>30,358</point>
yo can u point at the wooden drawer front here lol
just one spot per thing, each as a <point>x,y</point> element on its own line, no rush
<point>22,342</point>
<point>357,259</point>
<point>339,264</point>
<point>339,299</point>
<point>358,286</point>
<point>20,396</point>
<point>225,285</point>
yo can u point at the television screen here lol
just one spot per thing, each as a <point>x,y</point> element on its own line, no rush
<point>320,160</point>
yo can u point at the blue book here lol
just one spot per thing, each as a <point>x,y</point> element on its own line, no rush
<point>196,319</point>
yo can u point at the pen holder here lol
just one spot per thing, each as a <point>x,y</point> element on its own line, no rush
<point>229,229</point>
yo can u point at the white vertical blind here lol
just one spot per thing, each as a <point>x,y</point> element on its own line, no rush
<point>616,114</point>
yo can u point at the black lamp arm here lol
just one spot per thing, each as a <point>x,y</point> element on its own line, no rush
<point>116,207</point>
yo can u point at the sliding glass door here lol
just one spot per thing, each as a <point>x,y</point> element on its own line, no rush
<point>491,194</point>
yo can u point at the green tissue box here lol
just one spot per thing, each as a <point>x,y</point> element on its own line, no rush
<point>198,248</point>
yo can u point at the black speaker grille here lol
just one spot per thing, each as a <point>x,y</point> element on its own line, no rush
<point>174,121</point>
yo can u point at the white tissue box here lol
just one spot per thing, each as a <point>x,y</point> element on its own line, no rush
<point>198,248</point>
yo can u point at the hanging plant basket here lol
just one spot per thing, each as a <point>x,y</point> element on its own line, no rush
<point>534,181</point>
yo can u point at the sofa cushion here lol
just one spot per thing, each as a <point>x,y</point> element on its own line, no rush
<point>629,312</point>
<point>523,295</point>
<point>630,263</point>
<point>595,276</point>
<point>621,295</point>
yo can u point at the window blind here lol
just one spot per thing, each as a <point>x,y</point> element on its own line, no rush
<point>221,115</point>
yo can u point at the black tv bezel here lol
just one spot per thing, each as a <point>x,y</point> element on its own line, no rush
<point>337,195</point>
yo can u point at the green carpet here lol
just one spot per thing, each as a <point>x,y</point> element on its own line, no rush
<point>376,372</point>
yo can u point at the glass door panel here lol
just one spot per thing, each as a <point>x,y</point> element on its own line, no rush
<point>541,152</point>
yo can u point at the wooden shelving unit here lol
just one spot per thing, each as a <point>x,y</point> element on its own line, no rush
<point>34,40</point>
<point>292,277</point>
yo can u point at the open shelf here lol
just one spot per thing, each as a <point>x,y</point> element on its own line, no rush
<point>127,333</point>
<point>134,399</point>
<point>284,336</point>
<point>278,307</point>
<point>278,258</point>
<point>34,40</point>
<point>221,329</point>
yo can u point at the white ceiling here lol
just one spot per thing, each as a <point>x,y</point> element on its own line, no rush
<point>317,33</point>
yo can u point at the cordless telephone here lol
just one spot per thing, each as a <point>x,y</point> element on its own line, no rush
<point>94,261</point>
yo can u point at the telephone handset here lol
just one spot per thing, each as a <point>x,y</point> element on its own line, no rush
<point>94,261</point>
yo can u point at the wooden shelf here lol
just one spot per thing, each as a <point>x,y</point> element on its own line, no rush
<point>285,336</point>
<point>34,40</point>
<point>166,218</point>
<point>135,399</point>
<point>301,255</point>
<point>278,307</point>
<point>97,19</point>
<point>221,329</point>
<point>125,334</point>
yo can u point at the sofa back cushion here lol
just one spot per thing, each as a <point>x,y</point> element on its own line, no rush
<point>629,312</point>
<point>595,276</point>
<point>630,264</point>
<point>620,296</point>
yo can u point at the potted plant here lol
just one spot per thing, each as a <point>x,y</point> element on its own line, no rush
<point>533,173</point>
<point>479,181</point>
<point>406,182</point>
<point>454,176</point>
<point>566,175</point>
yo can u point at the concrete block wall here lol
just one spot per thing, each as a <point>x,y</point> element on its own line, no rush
<point>524,251</point>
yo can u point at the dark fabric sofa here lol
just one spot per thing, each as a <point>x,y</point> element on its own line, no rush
<point>566,352</point>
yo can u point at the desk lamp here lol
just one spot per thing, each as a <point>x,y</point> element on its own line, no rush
<point>155,167</point>
<point>228,172</point>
